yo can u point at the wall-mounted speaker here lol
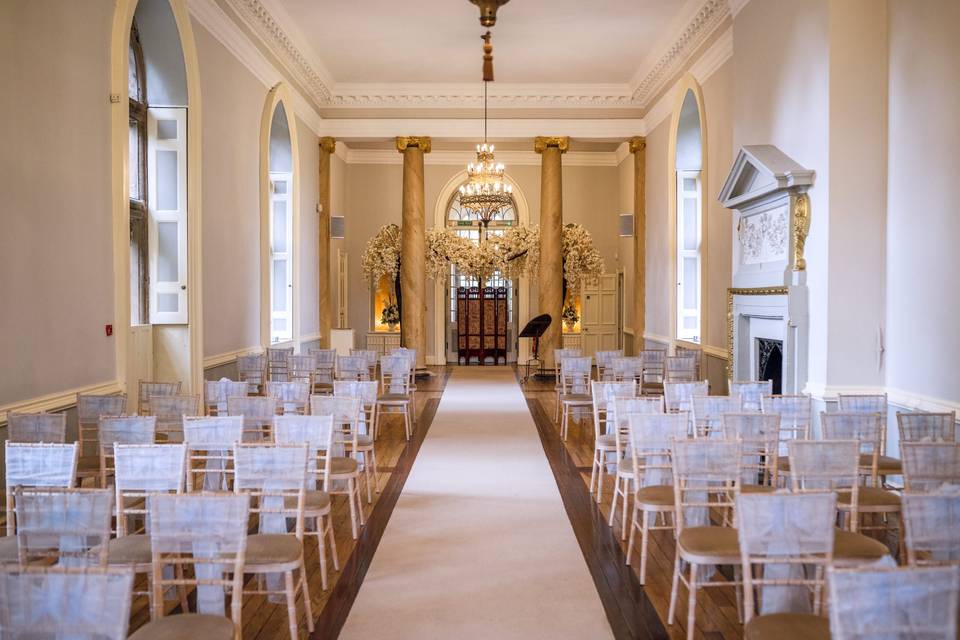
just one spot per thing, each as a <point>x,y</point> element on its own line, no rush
<point>337,227</point>
<point>626,225</point>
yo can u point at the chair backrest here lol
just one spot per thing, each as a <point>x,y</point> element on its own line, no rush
<point>326,362</point>
<point>626,368</point>
<point>370,355</point>
<point>205,532</point>
<point>605,361</point>
<point>696,354</point>
<point>71,526</point>
<point>216,393</point>
<point>89,409</point>
<point>680,369</point>
<point>395,374</point>
<point>653,361</point>
<point>759,435</point>
<point>148,389</point>
<point>169,411</point>
<point>928,465</point>
<point>776,529</point>
<point>37,427</point>
<point>932,526</point>
<point>796,414</point>
<point>301,368</point>
<point>411,356</point>
<point>922,426</point>
<point>65,602</point>
<point>366,390</point>
<point>867,403</point>
<point>679,395</point>
<point>142,470</point>
<point>865,427</point>
<point>708,412</point>
<point>36,465</point>
<point>623,408</point>
<point>559,355</point>
<point>257,415</point>
<point>880,602</point>
<point>603,394</point>
<point>651,437</point>
<point>314,431</point>
<point>752,393</point>
<point>123,430</point>
<point>252,369</point>
<point>352,368</point>
<point>705,476</point>
<point>346,417</point>
<point>275,477</point>
<point>826,465</point>
<point>291,397</point>
<point>575,375</point>
<point>210,442</point>
<point>277,362</point>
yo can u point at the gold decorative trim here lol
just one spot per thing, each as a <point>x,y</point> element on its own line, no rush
<point>423,142</point>
<point>328,144</point>
<point>540,143</point>
<point>801,227</point>
<point>637,143</point>
<point>733,291</point>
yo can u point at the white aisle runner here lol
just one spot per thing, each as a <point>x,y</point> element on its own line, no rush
<point>479,544</point>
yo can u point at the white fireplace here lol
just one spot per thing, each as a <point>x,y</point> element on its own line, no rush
<point>767,305</point>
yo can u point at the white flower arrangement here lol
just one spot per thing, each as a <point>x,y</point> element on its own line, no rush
<point>382,255</point>
<point>581,260</point>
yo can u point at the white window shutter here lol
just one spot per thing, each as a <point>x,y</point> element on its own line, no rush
<point>689,237</point>
<point>167,205</point>
<point>281,257</point>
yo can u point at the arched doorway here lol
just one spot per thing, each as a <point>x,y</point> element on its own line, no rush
<point>279,222</point>
<point>155,167</point>
<point>446,216</point>
<point>688,183</point>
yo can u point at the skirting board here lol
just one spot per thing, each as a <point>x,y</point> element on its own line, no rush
<point>714,352</point>
<point>896,397</point>
<point>57,401</point>
<point>224,358</point>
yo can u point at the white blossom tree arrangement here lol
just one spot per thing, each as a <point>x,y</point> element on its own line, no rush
<point>381,257</point>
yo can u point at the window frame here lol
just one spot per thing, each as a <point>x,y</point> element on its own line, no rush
<point>683,312</point>
<point>287,256</point>
<point>139,215</point>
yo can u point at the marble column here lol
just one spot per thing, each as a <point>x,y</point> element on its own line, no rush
<point>413,231</point>
<point>638,147</point>
<point>325,299</point>
<point>550,277</point>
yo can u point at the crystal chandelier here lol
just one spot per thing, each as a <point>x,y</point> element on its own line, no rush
<point>486,192</point>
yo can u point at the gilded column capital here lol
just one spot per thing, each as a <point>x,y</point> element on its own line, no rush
<point>637,144</point>
<point>542,142</point>
<point>328,144</point>
<point>423,142</point>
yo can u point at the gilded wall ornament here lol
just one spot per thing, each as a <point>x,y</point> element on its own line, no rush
<point>540,143</point>
<point>423,142</point>
<point>801,227</point>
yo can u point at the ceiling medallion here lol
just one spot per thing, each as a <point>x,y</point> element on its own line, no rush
<point>488,10</point>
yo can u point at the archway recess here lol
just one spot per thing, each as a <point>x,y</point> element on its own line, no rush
<point>439,355</point>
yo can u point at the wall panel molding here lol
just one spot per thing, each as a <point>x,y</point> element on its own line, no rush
<point>59,400</point>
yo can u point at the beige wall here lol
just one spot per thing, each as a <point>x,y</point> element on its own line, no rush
<point>923,294</point>
<point>659,278</point>
<point>309,228</point>
<point>233,101</point>
<point>56,241</point>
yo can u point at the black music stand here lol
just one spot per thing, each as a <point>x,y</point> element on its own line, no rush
<point>535,329</point>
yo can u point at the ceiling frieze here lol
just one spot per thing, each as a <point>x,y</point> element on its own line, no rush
<point>647,84</point>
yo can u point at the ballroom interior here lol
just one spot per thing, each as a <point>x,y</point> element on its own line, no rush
<point>479,319</point>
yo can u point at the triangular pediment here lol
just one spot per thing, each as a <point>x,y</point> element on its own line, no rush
<point>760,171</point>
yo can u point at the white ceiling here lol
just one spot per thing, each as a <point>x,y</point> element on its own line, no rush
<point>438,41</point>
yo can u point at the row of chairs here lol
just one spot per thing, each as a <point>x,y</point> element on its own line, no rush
<point>319,367</point>
<point>276,484</point>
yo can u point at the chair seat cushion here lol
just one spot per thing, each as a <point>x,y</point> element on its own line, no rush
<point>783,464</point>
<point>186,625</point>
<point>88,464</point>
<point>394,398</point>
<point>9,550</point>
<point>787,626</point>
<point>625,468</point>
<point>710,545</point>
<point>272,548</point>
<point>607,440</point>
<point>871,497</point>
<point>885,464</point>
<point>848,545</point>
<point>343,466</point>
<point>364,442</point>
<point>756,488</point>
<point>314,501</point>
<point>578,398</point>
<point>132,549</point>
<point>655,495</point>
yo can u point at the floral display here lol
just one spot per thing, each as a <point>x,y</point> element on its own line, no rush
<point>382,255</point>
<point>581,260</point>
<point>390,315</point>
<point>570,315</point>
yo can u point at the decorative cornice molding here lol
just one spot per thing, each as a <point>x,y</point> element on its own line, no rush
<point>460,158</point>
<point>708,17</point>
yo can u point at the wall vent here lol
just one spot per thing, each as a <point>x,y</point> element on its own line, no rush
<point>337,227</point>
<point>626,225</point>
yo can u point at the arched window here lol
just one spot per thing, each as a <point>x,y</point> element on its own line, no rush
<point>689,164</point>
<point>139,269</point>
<point>467,224</point>
<point>281,228</point>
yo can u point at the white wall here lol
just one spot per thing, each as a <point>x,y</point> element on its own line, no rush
<point>56,242</point>
<point>309,225</point>
<point>923,267</point>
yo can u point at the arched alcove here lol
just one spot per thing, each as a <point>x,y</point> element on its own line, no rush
<point>440,308</point>
<point>279,222</point>
<point>171,346</point>
<point>687,186</point>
